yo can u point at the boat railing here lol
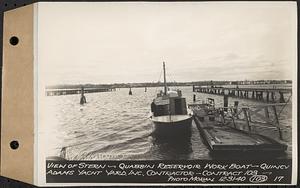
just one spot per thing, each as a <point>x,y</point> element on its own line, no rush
<point>259,119</point>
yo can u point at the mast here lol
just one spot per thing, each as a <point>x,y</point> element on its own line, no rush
<point>165,81</point>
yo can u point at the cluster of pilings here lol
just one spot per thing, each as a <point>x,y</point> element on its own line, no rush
<point>259,94</point>
<point>55,92</point>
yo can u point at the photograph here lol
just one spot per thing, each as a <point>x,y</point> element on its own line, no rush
<point>165,81</point>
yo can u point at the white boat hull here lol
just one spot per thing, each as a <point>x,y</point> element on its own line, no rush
<point>172,125</point>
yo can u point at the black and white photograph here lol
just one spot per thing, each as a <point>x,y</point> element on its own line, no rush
<point>148,81</point>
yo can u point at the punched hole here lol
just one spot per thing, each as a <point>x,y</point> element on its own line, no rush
<point>14,40</point>
<point>14,144</point>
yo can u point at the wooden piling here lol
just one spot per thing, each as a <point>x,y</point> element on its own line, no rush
<point>225,103</point>
<point>272,97</point>
<point>281,100</point>
<point>236,105</point>
<point>82,99</point>
<point>268,96</point>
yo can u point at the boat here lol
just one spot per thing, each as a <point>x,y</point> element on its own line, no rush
<point>169,112</point>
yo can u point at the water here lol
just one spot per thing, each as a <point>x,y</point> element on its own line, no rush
<point>116,126</point>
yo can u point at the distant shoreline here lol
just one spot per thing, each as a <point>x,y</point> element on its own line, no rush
<point>160,84</point>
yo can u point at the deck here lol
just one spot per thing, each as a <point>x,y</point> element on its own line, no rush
<point>225,138</point>
<point>221,136</point>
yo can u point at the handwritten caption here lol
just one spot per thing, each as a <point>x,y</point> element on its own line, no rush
<point>168,172</point>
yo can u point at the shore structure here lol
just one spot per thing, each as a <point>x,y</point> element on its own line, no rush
<point>254,93</point>
<point>74,91</point>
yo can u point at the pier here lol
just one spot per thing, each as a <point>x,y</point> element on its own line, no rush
<point>255,93</point>
<point>56,92</point>
<point>235,129</point>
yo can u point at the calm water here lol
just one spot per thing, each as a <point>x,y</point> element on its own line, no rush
<point>115,125</point>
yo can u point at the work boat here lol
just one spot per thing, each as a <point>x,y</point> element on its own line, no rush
<point>170,114</point>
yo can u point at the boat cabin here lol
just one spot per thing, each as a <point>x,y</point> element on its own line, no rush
<point>171,103</point>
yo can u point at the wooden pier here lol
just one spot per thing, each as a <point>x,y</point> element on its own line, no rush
<point>259,94</point>
<point>56,92</point>
<point>239,129</point>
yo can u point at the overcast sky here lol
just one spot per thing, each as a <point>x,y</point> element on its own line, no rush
<point>127,42</point>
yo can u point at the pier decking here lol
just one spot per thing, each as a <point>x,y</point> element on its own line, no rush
<point>224,138</point>
<point>260,94</point>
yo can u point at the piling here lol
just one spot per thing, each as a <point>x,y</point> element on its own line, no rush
<point>259,95</point>
<point>268,96</point>
<point>281,100</point>
<point>236,105</point>
<point>273,97</point>
<point>225,103</point>
<point>194,98</point>
<point>82,99</point>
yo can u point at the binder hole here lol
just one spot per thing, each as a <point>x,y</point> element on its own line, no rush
<point>14,40</point>
<point>14,144</point>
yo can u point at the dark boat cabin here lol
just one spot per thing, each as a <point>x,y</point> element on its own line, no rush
<point>170,104</point>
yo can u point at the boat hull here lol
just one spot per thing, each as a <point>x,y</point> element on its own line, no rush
<point>173,128</point>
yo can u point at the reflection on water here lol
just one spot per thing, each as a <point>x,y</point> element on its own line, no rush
<point>173,148</point>
<point>115,126</point>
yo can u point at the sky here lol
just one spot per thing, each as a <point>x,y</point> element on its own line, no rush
<point>84,42</point>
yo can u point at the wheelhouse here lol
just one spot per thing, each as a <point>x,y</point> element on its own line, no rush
<point>170,104</point>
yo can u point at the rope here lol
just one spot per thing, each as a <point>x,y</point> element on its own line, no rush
<point>158,80</point>
<point>172,78</point>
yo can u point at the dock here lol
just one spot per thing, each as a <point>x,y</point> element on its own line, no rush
<point>56,92</point>
<point>254,93</point>
<point>237,130</point>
